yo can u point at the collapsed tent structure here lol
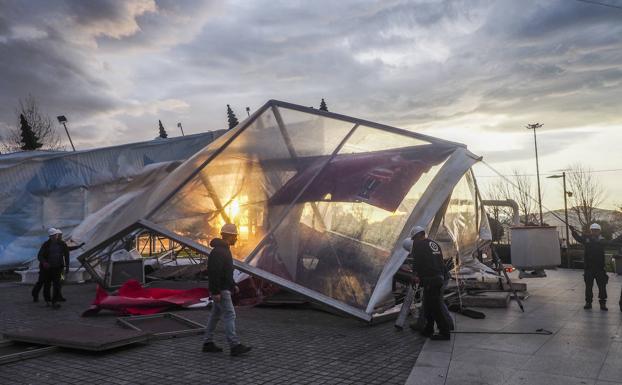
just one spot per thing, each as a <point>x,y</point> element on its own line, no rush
<point>42,189</point>
<point>323,203</point>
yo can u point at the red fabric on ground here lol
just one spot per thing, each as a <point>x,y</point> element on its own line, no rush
<point>136,300</point>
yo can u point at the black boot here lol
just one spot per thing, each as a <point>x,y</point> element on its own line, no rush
<point>441,337</point>
<point>240,349</point>
<point>588,305</point>
<point>210,347</point>
<point>603,306</point>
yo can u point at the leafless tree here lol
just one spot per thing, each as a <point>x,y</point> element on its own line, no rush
<point>519,188</point>
<point>499,190</point>
<point>587,193</point>
<point>40,123</point>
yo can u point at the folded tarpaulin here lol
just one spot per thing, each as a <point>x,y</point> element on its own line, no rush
<point>133,299</point>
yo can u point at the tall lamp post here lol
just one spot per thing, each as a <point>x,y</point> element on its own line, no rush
<point>63,120</point>
<point>535,142</point>
<point>181,128</point>
<point>566,195</point>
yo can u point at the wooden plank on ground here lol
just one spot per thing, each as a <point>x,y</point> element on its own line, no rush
<point>78,336</point>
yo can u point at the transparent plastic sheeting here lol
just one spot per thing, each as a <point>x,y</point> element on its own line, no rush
<point>461,230</point>
<point>320,199</point>
<point>44,189</point>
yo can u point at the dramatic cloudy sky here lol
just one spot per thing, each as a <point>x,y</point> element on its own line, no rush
<point>471,71</point>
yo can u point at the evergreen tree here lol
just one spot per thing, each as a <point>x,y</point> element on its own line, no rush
<point>323,106</point>
<point>163,133</point>
<point>231,118</point>
<point>30,141</point>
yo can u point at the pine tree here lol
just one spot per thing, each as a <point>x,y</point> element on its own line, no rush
<point>30,141</point>
<point>323,106</point>
<point>231,118</point>
<point>163,133</point>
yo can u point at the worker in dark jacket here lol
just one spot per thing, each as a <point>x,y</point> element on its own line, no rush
<point>431,272</point>
<point>221,286</point>
<point>593,265</point>
<point>53,258</point>
<point>43,251</point>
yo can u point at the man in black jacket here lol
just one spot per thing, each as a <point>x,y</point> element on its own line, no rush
<point>58,237</point>
<point>431,271</point>
<point>593,265</point>
<point>221,284</point>
<point>53,257</point>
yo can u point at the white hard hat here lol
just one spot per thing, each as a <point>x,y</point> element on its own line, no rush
<point>595,226</point>
<point>229,228</point>
<point>416,230</point>
<point>53,231</point>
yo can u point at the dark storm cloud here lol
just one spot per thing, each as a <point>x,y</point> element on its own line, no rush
<point>56,51</point>
<point>400,62</point>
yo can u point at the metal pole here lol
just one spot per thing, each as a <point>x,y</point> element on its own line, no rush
<point>69,136</point>
<point>566,214</point>
<point>181,128</point>
<point>535,141</point>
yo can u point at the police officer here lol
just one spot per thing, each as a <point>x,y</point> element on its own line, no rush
<point>221,286</point>
<point>593,265</point>
<point>431,271</point>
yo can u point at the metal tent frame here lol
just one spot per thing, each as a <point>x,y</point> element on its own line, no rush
<point>431,204</point>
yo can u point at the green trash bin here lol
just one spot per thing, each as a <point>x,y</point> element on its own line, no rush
<point>617,264</point>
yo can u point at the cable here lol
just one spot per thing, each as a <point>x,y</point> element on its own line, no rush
<point>599,3</point>
<point>522,192</point>
<point>543,332</point>
<point>568,171</point>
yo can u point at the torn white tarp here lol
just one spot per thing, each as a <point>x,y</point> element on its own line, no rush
<point>42,189</point>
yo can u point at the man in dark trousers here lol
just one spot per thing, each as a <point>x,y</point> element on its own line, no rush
<point>53,257</point>
<point>431,271</point>
<point>52,232</point>
<point>593,265</point>
<point>221,285</point>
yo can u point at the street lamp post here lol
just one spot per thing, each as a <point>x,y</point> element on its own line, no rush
<point>63,120</point>
<point>181,128</point>
<point>566,195</point>
<point>535,141</point>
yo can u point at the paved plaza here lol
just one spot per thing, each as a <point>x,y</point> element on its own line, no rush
<point>307,346</point>
<point>290,346</point>
<point>585,346</point>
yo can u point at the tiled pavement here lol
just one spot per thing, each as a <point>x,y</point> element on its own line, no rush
<point>290,346</point>
<point>585,347</point>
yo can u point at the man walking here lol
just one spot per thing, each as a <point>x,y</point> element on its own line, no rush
<point>221,284</point>
<point>593,265</point>
<point>430,269</point>
<point>40,281</point>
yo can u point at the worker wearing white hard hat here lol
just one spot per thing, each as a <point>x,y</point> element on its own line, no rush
<point>221,287</point>
<point>229,229</point>
<point>416,230</point>
<point>53,231</point>
<point>53,257</point>
<point>593,265</point>
<point>430,269</point>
